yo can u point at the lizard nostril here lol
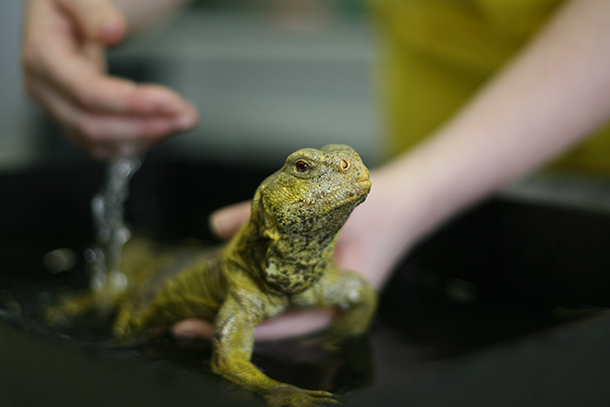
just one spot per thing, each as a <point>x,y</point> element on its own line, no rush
<point>344,165</point>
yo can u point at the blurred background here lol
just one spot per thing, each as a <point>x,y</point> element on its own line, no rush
<point>18,144</point>
<point>268,77</point>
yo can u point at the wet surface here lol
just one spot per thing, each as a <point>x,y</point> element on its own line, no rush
<point>499,308</point>
<point>428,340</point>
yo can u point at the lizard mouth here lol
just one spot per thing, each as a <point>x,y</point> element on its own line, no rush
<point>366,181</point>
<point>365,184</point>
<point>360,195</point>
<point>359,191</point>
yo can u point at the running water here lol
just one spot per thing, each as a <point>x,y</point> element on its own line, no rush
<point>111,232</point>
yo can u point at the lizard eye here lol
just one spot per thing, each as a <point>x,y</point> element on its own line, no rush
<point>302,166</point>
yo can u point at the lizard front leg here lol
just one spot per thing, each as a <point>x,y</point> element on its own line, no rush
<point>233,343</point>
<point>355,299</point>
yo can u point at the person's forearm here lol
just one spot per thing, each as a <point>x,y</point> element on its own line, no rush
<point>142,14</point>
<point>556,91</point>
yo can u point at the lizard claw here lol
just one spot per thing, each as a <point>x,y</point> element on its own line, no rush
<point>286,395</point>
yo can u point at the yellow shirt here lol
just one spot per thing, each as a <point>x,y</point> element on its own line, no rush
<point>438,52</point>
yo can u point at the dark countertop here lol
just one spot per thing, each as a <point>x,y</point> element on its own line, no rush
<point>504,306</point>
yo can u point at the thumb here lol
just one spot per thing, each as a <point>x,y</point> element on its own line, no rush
<point>97,20</point>
<point>225,222</point>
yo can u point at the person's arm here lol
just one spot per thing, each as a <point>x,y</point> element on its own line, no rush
<point>65,71</point>
<point>554,93</point>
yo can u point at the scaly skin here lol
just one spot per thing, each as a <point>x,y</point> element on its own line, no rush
<point>281,259</point>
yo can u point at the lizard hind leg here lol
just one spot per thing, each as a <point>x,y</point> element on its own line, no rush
<point>73,306</point>
<point>122,323</point>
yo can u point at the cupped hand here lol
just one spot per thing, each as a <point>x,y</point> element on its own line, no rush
<point>65,71</point>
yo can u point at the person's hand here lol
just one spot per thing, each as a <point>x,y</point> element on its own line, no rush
<point>65,70</point>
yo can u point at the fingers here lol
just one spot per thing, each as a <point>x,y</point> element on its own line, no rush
<point>225,222</point>
<point>294,323</point>
<point>193,328</point>
<point>76,68</point>
<point>93,90</point>
<point>64,67</point>
<point>288,325</point>
<point>105,135</point>
<point>87,20</point>
<point>97,20</point>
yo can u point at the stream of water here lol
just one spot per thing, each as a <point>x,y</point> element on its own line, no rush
<point>107,207</point>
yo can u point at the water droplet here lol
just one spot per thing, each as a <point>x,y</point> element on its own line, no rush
<point>59,260</point>
<point>97,282</point>
<point>103,235</point>
<point>123,235</point>
<point>97,204</point>
<point>89,255</point>
<point>118,280</point>
<point>124,168</point>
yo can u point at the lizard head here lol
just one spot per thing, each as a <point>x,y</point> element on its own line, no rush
<point>316,190</point>
<point>300,210</point>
